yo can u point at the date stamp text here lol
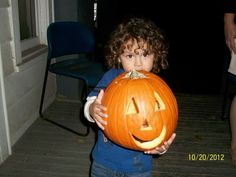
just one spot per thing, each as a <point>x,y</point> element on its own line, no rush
<point>206,157</point>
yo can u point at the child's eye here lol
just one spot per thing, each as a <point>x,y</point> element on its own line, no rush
<point>145,54</point>
<point>129,56</point>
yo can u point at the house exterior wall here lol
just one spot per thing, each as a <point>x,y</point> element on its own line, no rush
<point>23,88</point>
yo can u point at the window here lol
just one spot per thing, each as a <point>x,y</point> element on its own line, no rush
<point>30,26</point>
<point>27,19</point>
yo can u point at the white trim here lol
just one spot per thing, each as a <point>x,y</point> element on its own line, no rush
<point>43,19</point>
<point>5,145</point>
<point>51,10</point>
<point>15,28</point>
<point>33,61</point>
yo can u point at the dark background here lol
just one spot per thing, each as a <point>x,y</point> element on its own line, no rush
<point>194,30</point>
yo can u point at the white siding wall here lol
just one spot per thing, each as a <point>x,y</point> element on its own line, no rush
<point>23,89</point>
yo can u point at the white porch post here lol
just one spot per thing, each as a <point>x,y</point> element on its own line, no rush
<point>5,146</point>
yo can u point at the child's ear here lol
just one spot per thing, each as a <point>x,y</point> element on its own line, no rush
<point>119,60</point>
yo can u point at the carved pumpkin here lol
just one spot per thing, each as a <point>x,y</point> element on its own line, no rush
<point>142,110</point>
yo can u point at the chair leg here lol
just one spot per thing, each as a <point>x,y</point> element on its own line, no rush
<point>51,121</point>
<point>43,91</point>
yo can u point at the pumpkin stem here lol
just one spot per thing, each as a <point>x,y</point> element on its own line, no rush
<point>134,75</point>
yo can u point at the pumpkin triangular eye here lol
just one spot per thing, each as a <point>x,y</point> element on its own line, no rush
<point>132,108</point>
<point>159,103</point>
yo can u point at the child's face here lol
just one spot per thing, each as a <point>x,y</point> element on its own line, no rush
<point>136,58</point>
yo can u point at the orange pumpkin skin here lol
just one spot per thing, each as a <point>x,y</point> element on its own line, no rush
<point>142,111</point>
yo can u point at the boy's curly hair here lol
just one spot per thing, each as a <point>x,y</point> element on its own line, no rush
<point>141,30</point>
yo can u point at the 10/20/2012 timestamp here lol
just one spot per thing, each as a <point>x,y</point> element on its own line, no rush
<point>206,157</point>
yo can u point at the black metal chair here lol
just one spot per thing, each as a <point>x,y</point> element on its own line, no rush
<point>67,38</point>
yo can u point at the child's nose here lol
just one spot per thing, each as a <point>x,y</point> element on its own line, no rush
<point>138,61</point>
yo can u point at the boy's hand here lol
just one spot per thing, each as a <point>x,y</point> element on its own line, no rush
<point>230,34</point>
<point>96,111</point>
<point>161,150</point>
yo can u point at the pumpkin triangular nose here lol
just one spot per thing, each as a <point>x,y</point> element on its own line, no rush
<point>145,126</point>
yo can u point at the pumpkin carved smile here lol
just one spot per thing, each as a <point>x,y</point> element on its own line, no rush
<point>142,111</point>
<point>149,144</point>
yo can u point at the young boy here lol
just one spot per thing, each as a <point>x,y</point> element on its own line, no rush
<point>136,44</point>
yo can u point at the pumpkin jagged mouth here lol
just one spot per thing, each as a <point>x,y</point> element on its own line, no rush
<point>150,144</point>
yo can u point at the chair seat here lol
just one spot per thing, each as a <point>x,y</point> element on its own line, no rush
<point>90,71</point>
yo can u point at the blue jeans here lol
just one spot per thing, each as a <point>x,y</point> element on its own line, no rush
<point>98,170</point>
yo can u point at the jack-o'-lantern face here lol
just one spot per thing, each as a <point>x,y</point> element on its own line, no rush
<point>144,124</point>
<point>142,113</point>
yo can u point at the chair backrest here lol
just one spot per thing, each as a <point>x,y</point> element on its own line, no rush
<point>65,38</point>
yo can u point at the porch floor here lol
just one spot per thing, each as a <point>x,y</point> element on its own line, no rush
<point>199,150</point>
